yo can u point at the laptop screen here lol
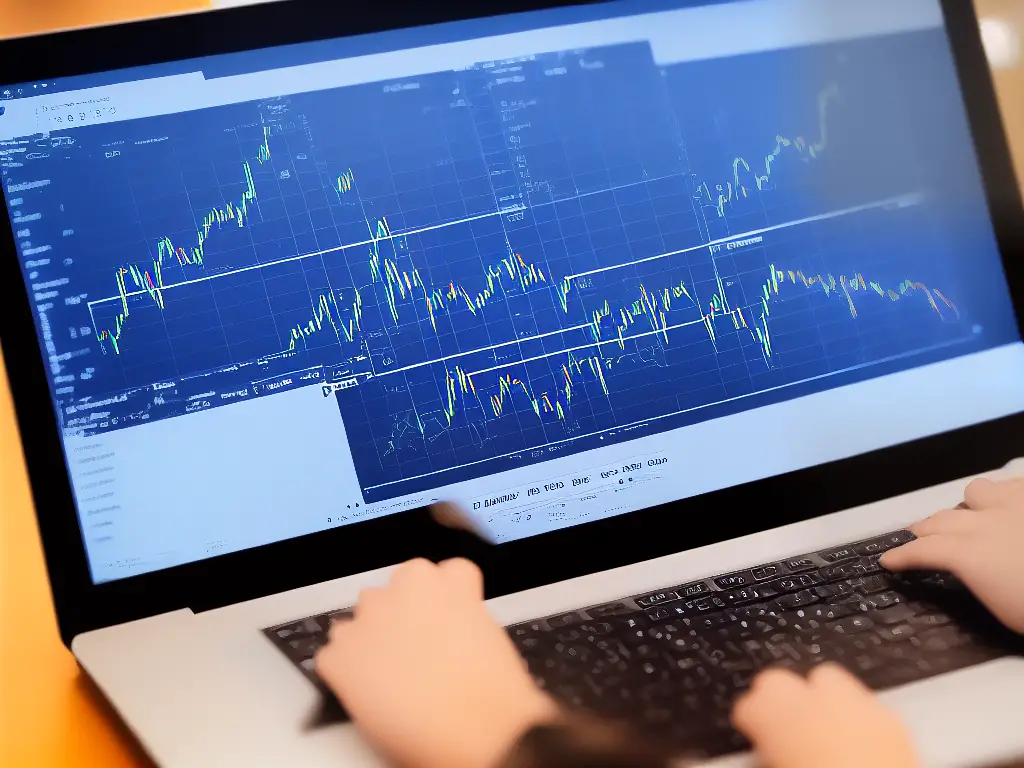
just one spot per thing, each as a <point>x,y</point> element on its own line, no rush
<point>553,267</point>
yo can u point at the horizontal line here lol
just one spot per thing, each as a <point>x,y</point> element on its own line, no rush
<point>510,209</point>
<point>606,190</point>
<point>587,346</point>
<point>911,199</point>
<point>483,349</point>
<point>669,415</point>
<point>392,236</point>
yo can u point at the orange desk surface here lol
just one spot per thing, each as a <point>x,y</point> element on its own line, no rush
<point>49,716</point>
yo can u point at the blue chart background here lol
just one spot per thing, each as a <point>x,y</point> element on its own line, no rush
<point>585,164</point>
<point>716,111</point>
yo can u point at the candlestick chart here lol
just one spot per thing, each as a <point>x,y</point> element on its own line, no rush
<point>490,267</point>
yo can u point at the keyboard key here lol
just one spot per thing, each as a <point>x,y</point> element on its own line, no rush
<point>312,625</point>
<point>834,590</point>
<point>867,565</point>
<point>570,652</point>
<point>800,564</point>
<point>837,555</point>
<point>805,597</point>
<point>899,651</point>
<point>897,614</point>
<point>705,604</point>
<point>927,620</point>
<point>564,620</point>
<point>674,610</point>
<point>882,600</point>
<point>825,613</point>
<point>765,572</point>
<point>852,624</point>
<point>866,663</point>
<point>733,580</point>
<point>647,651</point>
<point>656,598</point>
<point>756,611</point>
<point>871,548</point>
<point>305,647</point>
<point>713,620</point>
<point>630,623</point>
<point>691,590</point>
<point>869,585</point>
<point>532,629</point>
<point>943,638</point>
<point>611,609</point>
<point>866,642</point>
<point>942,581</point>
<point>741,596</point>
<point>795,583</point>
<point>794,623</point>
<point>837,572</point>
<point>895,633</point>
<point>883,543</point>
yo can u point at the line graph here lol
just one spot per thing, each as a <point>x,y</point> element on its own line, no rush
<point>519,260</point>
<point>656,307</point>
<point>899,201</point>
<point>401,284</point>
<point>726,193</point>
<point>662,335</point>
<point>150,282</point>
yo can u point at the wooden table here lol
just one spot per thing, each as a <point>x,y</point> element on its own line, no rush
<point>49,714</point>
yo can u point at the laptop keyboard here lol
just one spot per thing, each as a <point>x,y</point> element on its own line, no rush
<point>671,662</point>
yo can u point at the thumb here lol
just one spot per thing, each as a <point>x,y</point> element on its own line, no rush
<point>940,552</point>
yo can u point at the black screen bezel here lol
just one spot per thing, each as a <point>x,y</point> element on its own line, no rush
<point>82,605</point>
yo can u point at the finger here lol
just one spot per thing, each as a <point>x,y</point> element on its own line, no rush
<point>832,681</point>
<point>328,659</point>
<point>412,571</point>
<point>765,716</point>
<point>984,493</point>
<point>338,628</point>
<point>464,576</point>
<point>951,521</point>
<point>450,515</point>
<point>941,552</point>
<point>367,601</point>
<point>773,691</point>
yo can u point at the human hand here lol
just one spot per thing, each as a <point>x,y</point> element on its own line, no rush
<point>980,545</point>
<point>796,722</point>
<point>427,675</point>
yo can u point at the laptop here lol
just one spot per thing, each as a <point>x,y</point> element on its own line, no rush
<point>689,307</point>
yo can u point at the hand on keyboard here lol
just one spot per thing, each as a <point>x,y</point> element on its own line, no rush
<point>427,674</point>
<point>796,722</point>
<point>979,543</point>
<point>671,662</point>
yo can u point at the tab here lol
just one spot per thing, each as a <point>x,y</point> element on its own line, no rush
<point>491,503</point>
<point>60,112</point>
<point>293,380</point>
